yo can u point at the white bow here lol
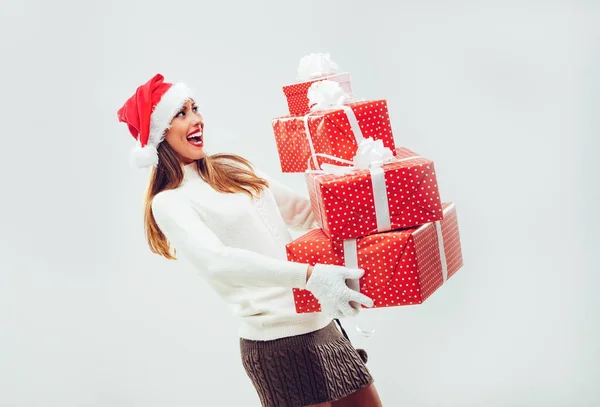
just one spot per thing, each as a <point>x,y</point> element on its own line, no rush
<point>325,95</point>
<point>370,154</point>
<point>316,65</point>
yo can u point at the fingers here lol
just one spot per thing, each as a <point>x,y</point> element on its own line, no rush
<point>361,299</point>
<point>348,310</point>
<point>354,273</point>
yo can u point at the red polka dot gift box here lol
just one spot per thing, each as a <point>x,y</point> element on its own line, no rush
<point>400,194</point>
<point>296,94</point>
<point>334,132</point>
<point>402,267</point>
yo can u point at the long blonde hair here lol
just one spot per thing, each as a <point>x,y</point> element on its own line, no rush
<point>220,171</point>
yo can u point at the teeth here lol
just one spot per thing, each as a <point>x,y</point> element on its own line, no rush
<point>195,135</point>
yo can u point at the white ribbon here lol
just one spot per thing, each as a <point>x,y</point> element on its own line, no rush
<point>326,95</point>
<point>351,261</point>
<point>313,154</point>
<point>438,230</point>
<point>440,239</point>
<point>380,198</point>
<point>316,65</point>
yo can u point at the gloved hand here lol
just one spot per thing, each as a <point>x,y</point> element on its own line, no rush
<point>328,284</point>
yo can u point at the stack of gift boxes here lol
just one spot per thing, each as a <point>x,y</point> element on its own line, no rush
<point>377,205</point>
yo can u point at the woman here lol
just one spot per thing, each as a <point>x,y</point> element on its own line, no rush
<point>230,221</point>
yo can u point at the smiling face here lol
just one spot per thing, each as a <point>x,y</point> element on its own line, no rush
<point>186,134</point>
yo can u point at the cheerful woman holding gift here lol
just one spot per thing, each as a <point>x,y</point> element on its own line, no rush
<point>230,221</point>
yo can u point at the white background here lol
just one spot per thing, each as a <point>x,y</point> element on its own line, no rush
<point>502,95</point>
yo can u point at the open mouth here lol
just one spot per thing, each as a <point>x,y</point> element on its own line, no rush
<point>195,138</point>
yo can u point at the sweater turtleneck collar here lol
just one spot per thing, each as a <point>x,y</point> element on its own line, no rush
<point>190,171</point>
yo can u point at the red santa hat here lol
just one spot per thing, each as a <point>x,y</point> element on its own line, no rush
<point>148,114</point>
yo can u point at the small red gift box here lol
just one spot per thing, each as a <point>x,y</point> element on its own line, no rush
<point>401,267</point>
<point>296,93</point>
<point>332,132</point>
<point>400,194</point>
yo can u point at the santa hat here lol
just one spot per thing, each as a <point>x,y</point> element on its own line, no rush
<point>148,114</point>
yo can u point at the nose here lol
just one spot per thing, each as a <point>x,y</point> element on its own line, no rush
<point>197,119</point>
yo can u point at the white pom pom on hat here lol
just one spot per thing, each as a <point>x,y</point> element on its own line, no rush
<point>148,114</point>
<point>144,157</point>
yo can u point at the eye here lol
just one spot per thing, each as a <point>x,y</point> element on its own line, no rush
<point>181,112</point>
<point>195,109</point>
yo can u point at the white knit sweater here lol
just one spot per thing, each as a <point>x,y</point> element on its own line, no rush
<point>238,245</point>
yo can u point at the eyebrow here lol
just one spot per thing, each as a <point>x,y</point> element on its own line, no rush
<point>184,107</point>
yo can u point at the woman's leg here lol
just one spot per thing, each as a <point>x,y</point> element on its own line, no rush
<point>364,397</point>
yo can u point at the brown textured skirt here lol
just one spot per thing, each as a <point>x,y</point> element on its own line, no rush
<point>307,369</point>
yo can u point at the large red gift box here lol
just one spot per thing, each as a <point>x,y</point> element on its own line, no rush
<point>330,133</point>
<point>402,267</point>
<point>402,194</point>
<point>296,94</point>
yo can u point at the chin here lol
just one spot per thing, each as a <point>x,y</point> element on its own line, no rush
<point>197,155</point>
<point>190,156</point>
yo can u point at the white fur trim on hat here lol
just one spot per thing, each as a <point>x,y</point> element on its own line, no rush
<point>160,121</point>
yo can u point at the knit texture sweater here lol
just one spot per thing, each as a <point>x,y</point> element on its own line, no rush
<point>237,243</point>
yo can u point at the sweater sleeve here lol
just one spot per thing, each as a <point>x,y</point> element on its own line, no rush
<point>295,209</point>
<point>193,239</point>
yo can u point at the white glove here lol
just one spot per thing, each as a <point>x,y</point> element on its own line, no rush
<point>328,284</point>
